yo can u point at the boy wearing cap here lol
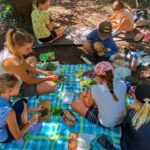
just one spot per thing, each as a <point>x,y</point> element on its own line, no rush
<point>99,43</point>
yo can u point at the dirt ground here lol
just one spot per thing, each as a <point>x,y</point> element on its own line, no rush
<point>75,13</point>
<point>80,14</point>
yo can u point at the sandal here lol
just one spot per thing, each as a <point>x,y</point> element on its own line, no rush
<point>147,38</point>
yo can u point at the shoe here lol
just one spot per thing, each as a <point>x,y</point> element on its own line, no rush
<point>40,43</point>
<point>146,38</point>
<point>139,36</point>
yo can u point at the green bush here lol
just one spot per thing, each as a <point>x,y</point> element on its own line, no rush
<point>7,14</point>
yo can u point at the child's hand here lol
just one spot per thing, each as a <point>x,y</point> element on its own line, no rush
<point>48,73</point>
<point>83,96</point>
<point>56,24</point>
<point>39,108</point>
<point>34,119</point>
<point>53,77</point>
<point>44,72</point>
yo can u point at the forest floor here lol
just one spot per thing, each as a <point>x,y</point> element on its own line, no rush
<point>83,13</point>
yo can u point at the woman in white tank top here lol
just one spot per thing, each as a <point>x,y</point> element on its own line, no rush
<point>20,43</point>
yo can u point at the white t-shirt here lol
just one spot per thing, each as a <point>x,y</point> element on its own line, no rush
<point>111,112</point>
<point>125,13</point>
<point>3,55</point>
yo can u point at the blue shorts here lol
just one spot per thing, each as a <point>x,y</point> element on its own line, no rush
<point>18,108</point>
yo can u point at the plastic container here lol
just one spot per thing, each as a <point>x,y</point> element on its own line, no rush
<point>134,62</point>
<point>86,60</point>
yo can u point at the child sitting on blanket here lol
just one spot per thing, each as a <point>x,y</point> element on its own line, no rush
<point>136,125</point>
<point>122,18</point>
<point>43,27</point>
<point>104,103</point>
<point>13,118</point>
<point>99,43</point>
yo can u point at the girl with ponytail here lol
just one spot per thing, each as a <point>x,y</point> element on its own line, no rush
<point>136,125</point>
<point>19,43</point>
<point>104,103</point>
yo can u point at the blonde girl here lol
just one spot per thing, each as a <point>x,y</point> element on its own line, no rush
<point>136,125</point>
<point>122,18</point>
<point>104,103</point>
<point>19,43</point>
<point>13,118</point>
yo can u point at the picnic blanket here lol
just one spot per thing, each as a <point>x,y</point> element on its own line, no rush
<point>54,134</point>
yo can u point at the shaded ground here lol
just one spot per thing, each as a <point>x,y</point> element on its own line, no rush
<point>79,14</point>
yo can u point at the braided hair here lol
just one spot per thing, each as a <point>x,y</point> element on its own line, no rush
<point>109,79</point>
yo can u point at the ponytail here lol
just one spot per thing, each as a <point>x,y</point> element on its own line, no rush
<point>109,79</point>
<point>142,115</point>
<point>17,37</point>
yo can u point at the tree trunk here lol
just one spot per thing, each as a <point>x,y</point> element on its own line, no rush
<point>23,9</point>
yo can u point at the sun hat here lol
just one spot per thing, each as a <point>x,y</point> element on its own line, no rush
<point>102,67</point>
<point>105,29</point>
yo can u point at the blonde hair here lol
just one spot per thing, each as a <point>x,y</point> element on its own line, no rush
<point>142,115</point>
<point>17,37</point>
<point>7,81</point>
<point>119,4</point>
<point>109,79</point>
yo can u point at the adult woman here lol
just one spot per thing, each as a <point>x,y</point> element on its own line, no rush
<point>19,44</point>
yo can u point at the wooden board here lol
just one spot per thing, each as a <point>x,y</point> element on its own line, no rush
<point>45,104</point>
<point>73,142</point>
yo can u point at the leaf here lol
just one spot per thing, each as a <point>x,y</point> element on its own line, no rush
<point>55,111</point>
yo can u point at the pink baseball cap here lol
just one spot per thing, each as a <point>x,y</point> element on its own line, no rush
<point>102,67</point>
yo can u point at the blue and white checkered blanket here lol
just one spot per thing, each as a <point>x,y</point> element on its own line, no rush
<point>54,134</point>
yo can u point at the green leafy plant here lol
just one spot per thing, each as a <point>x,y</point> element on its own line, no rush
<point>47,56</point>
<point>44,112</point>
<point>55,111</point>
<point>61,79</point>
<point>87,83</point>
<point>49,66</point>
